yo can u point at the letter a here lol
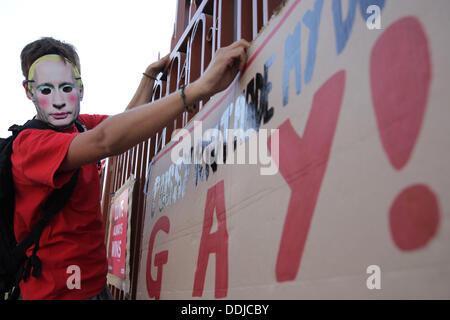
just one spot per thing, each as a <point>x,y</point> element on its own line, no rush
<point>374,281</point>
<point>73,282</point>
<point>216,242</point>
<point>374,20</point>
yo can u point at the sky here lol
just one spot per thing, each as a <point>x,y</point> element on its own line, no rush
<point>115,39</point>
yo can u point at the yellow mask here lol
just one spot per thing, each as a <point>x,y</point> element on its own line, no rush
<point>52,57</point>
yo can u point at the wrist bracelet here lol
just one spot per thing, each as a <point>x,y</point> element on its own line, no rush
<point>183,96</point>
<point>149,76</point>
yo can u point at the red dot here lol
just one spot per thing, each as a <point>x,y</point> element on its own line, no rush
<point>414,217</point>
<point>400,77</point>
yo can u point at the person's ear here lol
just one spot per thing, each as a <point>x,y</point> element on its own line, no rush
<point>81,93</point>
<point>27,90</point>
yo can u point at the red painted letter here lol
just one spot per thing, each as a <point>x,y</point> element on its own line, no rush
<point>302,163</point>
<point>216,242</point>
<point>154,286</point>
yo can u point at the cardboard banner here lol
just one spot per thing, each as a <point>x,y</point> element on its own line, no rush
<point>321,172</point>
<point>119,237</point>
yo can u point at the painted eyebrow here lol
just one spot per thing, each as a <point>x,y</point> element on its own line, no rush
<point>45,85</point>
<point>66,84</point>
<point>49,85</point>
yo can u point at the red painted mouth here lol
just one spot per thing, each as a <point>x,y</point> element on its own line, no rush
<point>59,116</point>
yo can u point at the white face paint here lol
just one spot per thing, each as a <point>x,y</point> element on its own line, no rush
<point>56,95</point>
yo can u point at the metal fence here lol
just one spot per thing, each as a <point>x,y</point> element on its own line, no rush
<point>201,27</point>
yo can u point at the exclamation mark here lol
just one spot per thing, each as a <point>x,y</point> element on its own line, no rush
<point>400,74</point>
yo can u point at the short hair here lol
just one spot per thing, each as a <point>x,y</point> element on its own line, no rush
<point>47,45</point>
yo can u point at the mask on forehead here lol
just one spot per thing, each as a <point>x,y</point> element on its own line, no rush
<point>58,117</point>
<point>52,57</point>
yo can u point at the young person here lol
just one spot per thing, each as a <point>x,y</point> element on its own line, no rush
<point>46,159</point>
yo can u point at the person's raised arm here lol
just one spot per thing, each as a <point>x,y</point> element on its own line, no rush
<point>119,133</point>
<point>145,89</point>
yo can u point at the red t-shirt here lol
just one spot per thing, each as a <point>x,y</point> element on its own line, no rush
<point>75,236</point>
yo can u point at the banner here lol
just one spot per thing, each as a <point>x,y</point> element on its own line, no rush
<point>119,237</point>
<point>321,172</point>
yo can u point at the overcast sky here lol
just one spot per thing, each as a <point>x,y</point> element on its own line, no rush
<point>115,39</point>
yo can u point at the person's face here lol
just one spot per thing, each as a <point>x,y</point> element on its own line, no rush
<point>56,94</point>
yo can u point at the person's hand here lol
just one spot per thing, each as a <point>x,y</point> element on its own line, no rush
<point>159,66</point>
<point>227,62</point>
